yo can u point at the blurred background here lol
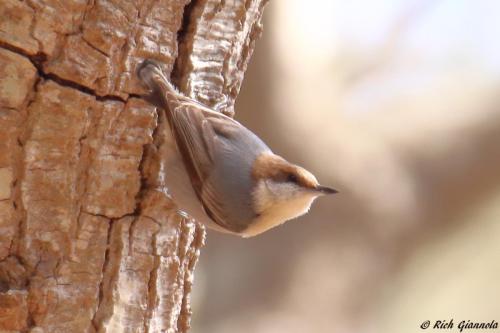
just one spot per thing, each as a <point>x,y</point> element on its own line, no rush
<point>397,105</point>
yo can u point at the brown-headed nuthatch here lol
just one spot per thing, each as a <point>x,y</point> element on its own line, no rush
<point>222,174</point>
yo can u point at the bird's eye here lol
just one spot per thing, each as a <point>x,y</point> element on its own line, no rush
<point>292,178</point>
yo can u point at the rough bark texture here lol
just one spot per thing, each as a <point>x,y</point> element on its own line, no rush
<point>89,239</point>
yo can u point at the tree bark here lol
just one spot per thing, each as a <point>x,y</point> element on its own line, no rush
<point>89,239</point>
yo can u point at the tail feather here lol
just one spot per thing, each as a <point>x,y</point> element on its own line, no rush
<point>163,94</point>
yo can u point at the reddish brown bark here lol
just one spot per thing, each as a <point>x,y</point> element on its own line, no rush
<point>89,239</point>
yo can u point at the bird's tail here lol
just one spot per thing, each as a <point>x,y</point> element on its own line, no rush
<point>163,93</point>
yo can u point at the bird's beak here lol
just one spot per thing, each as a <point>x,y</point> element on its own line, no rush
<point>325,190</point>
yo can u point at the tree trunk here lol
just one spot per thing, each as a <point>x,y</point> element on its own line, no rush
<point>89,239</point>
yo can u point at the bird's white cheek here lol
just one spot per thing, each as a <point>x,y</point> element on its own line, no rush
<point>299,206</point>
<point>262,197</point>
<point>278,214</point>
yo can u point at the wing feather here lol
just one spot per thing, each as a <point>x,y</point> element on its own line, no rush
<point>199,133</point>
<point>204,137</point>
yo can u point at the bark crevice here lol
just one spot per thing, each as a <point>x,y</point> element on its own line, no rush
<point>91,241</point>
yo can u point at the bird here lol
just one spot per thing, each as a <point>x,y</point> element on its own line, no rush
<point>219,172</point>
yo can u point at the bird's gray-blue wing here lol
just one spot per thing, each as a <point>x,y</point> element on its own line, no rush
<point>200,134</point>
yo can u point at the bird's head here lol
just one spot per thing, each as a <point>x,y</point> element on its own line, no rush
<point>283,190</point>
